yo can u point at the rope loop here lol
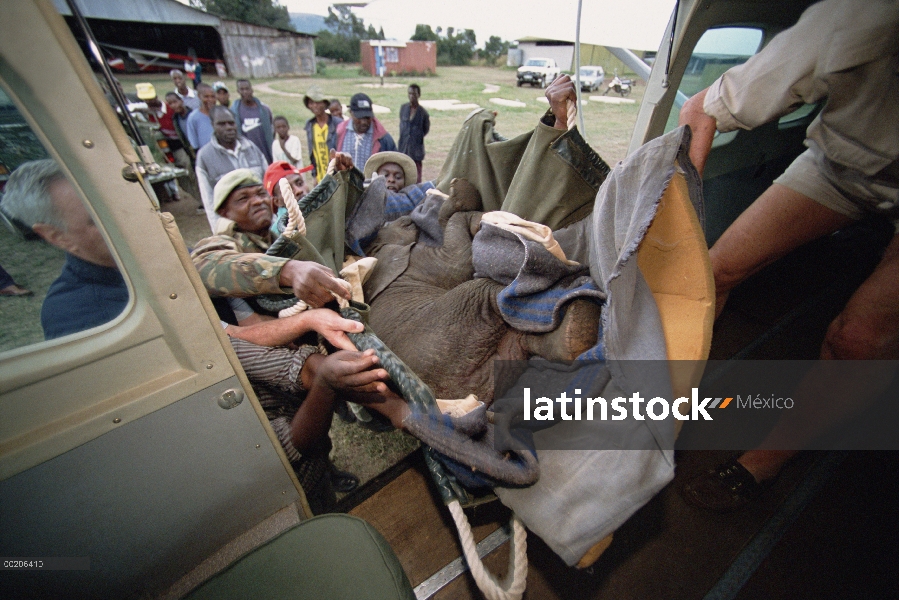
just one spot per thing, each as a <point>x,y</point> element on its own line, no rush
<point>512,588</point>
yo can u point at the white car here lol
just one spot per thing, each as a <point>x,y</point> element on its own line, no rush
<point>591,78</point>
<point>538,71</point>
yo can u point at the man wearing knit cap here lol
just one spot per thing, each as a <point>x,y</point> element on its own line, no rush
<point>234,263</point>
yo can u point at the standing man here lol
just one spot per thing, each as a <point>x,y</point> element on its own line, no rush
<point>222,94</point>
<point>846,55</point>
<point>363,135</point>
<point>321,132</point>
<point>199,125</point>
<point>225,152</point>
<point>187,95</point>
<point>414,126</point>
<point>254,119</point>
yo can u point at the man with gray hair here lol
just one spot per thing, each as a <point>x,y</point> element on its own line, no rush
<point>90,290</point>
<point>187,95</point>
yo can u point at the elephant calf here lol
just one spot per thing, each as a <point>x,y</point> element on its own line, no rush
<point>426,306</point>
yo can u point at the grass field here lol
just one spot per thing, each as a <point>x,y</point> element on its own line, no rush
<point>35,264</point>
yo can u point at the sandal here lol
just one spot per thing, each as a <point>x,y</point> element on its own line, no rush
<point>343,482</point>
<point>728,487</point>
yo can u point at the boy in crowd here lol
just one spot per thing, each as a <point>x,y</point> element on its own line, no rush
<point>336,109</point>
<point>321,131</point>
<point>221,93</point>
<point>286,147</point>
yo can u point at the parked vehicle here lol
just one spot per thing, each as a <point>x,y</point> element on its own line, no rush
<point>620,86</point>
<point>538,71</point>
<point>591,78</point>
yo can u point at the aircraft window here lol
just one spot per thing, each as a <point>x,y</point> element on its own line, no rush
<point>717,50</point>
<point>50,246</point>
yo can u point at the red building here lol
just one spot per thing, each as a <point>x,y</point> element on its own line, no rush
<point>399,58</point>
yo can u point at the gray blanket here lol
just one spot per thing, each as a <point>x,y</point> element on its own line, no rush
<point>584,495</point>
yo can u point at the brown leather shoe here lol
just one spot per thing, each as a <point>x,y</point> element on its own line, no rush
<point>15,290</point>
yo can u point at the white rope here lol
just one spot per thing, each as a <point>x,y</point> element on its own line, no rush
<point>572,113</point>
<point>512,588</point>
<point>295,220</point>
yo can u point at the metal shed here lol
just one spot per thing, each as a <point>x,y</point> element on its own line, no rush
<point>167,26</point>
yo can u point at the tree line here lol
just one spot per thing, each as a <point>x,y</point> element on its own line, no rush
<point>340,40</point>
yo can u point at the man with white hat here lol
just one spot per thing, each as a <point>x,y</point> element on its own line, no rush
<point>321,131</point>
<point>221,93</point>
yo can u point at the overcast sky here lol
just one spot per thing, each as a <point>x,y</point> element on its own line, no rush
<point>634,24</point>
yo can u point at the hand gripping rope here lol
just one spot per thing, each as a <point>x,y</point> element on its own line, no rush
<point>417,393</point>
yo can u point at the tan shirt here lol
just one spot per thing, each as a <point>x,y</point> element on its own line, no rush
<point>842,50</point>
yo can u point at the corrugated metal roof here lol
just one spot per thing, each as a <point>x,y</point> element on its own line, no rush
<point>145,11</point>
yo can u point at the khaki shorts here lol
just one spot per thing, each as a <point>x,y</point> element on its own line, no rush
<point>840,189</point>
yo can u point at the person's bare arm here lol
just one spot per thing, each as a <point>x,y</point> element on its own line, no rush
<point>703,127</point>
<point>559,93</point>
<point>311,282</point>
<point>280,332</point>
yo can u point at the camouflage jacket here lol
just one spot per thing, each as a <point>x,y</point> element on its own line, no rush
<point>233,263</point>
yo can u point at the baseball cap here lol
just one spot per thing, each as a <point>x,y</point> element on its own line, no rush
<point>145,91</point>
<point>278,170</point>
<point>236,179</point>
<point>219,85</point>
<point>360,106</point>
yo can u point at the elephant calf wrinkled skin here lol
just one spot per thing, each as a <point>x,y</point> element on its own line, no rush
<point>447,326</point>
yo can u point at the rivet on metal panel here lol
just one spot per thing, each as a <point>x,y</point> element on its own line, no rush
<point>87,144</point>
<point>258,446</point>
<point>230,398</point>
<point>173,296</point>
<point>209,365</point>
<point>117,420</point>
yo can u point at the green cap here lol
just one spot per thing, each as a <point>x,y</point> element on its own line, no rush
<point>236,179</point>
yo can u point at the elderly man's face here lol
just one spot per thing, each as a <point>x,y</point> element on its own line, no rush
<point>224,127</point>
<point>80,236</point>
<point>361,125</point>
<point>250,208</point>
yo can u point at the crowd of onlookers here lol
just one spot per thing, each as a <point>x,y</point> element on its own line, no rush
<point>210,135</point>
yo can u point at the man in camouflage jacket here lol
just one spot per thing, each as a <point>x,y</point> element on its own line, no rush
<point>233,263</point>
